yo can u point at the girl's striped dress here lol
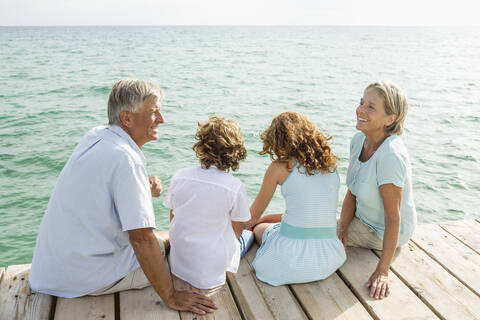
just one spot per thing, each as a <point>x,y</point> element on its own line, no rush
<point>304,247</point>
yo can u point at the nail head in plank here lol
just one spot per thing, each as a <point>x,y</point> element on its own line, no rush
<point>330,299</point>
<point>441,291</point>
<point>402,303</point>
<point>86,308</point>
<point>17,301</point>
<point>222,297</point>
<point>453,255</point>
<point>145,304</point>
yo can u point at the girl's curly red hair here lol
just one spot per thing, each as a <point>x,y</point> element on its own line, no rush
<point>293,136</point>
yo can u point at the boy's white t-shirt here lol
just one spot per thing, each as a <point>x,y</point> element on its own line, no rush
<point>203,243</point>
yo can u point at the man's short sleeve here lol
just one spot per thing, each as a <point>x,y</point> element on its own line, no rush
<point>132,197</point>
<point>240,210</point>
<point>391,168</point>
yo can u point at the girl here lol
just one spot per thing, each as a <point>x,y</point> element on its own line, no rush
<point>208,207</point>
<point>302,245</point>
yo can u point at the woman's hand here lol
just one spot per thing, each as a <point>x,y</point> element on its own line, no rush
<point>378,283</point>
<point>346,217</point>
<point>155,186</point>
<point>342,234</point>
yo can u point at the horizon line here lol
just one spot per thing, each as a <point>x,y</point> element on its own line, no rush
<point>237,25</point>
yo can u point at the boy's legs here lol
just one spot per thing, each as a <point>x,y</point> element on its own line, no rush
<point>246,240</point>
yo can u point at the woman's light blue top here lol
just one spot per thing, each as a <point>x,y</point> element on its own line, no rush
<point>304,247</point>
<point>389,164</point>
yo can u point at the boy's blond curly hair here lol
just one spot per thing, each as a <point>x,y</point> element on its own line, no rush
<point>220,144</point>
<point>293,136</point>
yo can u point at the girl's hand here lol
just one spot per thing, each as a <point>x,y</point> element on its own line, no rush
<point>251,223</point>
<point>378,283</point>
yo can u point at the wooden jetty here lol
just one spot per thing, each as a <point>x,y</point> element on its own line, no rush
<point>435,276</point>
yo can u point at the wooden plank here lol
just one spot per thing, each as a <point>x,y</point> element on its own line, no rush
<point>17,301</point>
<point>86,308</point>
<point>145,304</point>
<point>329,299</point>
<point>250,299</point>
<point>2,271</point>
<point>434,285</point>
<point>280,301</point>
<point>402,303</point>
<point>458,259</point>
<point>220,295</point>
<point>467,231</point>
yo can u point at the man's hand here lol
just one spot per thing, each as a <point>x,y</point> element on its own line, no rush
<point>191,301</point>
<point>155,186</point>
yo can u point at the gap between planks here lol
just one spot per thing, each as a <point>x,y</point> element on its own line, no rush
<point>466,231</point>
<point>450,266</point>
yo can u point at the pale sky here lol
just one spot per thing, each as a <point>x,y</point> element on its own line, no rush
<point>239,12</point>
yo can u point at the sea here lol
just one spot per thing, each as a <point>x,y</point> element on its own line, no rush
<point>55,81</point>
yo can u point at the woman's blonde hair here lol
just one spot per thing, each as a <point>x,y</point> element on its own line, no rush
<point>220,144</point>
<point>395,103</point>
<point>293,136</point>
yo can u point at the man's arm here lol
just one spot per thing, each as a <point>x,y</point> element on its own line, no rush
<point>149,255</point>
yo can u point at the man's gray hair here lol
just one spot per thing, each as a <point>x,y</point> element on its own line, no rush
<point>129,95</point>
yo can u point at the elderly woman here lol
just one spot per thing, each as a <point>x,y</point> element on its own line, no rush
<point>378,211</point>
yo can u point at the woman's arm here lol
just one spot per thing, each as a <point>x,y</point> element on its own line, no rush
<point>392,198</point>
<point>348,212</point>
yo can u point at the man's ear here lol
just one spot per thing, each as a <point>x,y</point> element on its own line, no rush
<point>126,119</point>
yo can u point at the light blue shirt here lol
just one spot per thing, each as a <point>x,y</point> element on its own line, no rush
<point>101,193</point>
<point>389,164</point>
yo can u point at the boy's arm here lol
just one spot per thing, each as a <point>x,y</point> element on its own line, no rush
<point>238,227</point>
<point>171,215</point>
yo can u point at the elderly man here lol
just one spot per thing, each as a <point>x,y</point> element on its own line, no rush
<point>96,235</point>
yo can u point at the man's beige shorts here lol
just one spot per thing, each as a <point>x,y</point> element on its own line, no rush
<point>361,235</point>
<point>134,280</point>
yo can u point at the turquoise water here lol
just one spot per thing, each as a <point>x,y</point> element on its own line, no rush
<point>54,85</point>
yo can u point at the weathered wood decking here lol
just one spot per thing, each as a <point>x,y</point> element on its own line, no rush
<point>435,276</point>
